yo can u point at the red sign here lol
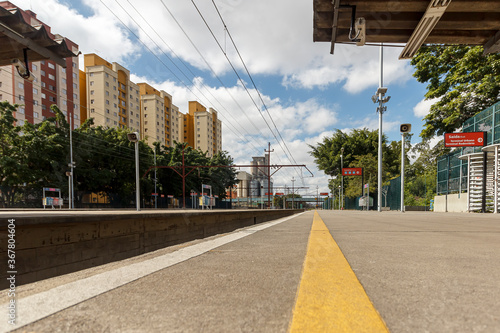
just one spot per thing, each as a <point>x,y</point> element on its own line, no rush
<point>163,195</point>
<point>352,171</point>
<point>471,139</point>
<point>326,193</point>
<point>154,194</point>
<point>280,193</point>
<point>269,194</point>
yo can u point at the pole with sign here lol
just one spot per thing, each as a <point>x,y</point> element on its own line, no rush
<point>355,172</point>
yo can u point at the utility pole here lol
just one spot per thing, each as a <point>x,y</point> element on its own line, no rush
<point>269,151</point>
<point>72,164</point>
<point>293,192</point>
<point>156,196</point>
<point>342,175</point>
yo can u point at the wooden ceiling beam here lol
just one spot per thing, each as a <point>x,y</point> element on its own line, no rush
<point>493,45</point>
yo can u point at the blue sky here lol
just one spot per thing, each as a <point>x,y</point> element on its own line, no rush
<point>308,92</point>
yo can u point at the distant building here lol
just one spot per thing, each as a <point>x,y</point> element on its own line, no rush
<point>52,84</point>
<point>203,129</point>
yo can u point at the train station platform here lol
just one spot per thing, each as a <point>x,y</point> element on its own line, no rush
<point>324,271</point>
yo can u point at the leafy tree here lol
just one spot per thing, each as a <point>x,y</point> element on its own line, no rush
<point>360,150</point>
<point>465,80</point>
<point>105,162</point>
<point>12,170</point>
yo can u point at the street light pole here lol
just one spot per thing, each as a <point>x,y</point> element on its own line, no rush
<point>381,100</point>
<point>342,176</point>
<point>134,137</point>
<point>156,193</point>
<point>403,172</point>
<point>293,192</point>
<point>72,164</point>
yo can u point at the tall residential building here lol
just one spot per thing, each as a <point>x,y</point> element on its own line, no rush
<point>115,101</point>
<point>52,84</point>
<point>111,98</point>
<point>203,129</point>
<point>156,109</point>
<point>177,125</point>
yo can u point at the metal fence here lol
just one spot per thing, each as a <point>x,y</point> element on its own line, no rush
<point>451,171</point>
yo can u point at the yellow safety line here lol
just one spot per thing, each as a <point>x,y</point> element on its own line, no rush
<point>330,297</point>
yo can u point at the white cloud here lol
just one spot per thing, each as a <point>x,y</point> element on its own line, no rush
<point>273,40</point>
<point>423,107</point>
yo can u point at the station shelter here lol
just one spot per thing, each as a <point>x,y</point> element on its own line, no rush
<point>467,178</point>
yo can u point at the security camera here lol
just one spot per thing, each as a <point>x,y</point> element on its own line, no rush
<point>405,128</point>
<point>133,137</point>
<point>360,28</point>
<point>22,70</point>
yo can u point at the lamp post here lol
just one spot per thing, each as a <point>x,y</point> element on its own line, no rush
<point>134,137</point>
<point>341,195</point>
<point>381,100</point>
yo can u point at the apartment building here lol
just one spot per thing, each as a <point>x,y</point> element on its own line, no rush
<point>177,120</point>
<point>51,84</point>
<point>203,129</point>
<point>156,109</point>
<point>111,98</point>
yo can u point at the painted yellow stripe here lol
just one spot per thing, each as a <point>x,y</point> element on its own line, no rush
<point>330,297</point>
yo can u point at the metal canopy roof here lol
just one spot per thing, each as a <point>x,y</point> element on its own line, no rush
<point>16,35</point>
<point>463,22</point>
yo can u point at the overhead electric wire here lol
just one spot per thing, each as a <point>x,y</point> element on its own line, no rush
<point>251,79</point>
<point>222,106</point>
<point>210,67</point>
<point>137,37</point>
<point>241,80</point>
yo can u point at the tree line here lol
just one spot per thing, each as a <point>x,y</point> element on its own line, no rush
<point>33,156</point>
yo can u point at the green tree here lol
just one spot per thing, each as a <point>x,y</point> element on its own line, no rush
<point>465,81</point>
<point>360,150</point>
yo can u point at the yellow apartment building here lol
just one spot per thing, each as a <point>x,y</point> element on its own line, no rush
<point>203,129</point>
<point>156,109</point>
<point>111,98</point>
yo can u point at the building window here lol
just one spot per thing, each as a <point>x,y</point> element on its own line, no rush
<point>91,83</point>
<point>51,65</point>
<point>35,114</point>
<point>42,72</point>
<point>21,110</point>
<point>75,86</point>
<point>64,91</point>
<point>107,84</point>
<point>75,96</point>
<point>20,85</point>
<point>92,110</point>
<point>91,101</point>
<point>34,67</point>
<point>35,91</point>
<point>21,97</point>
<point>91,74</point>
<point>63,70</point>
<point>52,77</point>
<point>43,84</point>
